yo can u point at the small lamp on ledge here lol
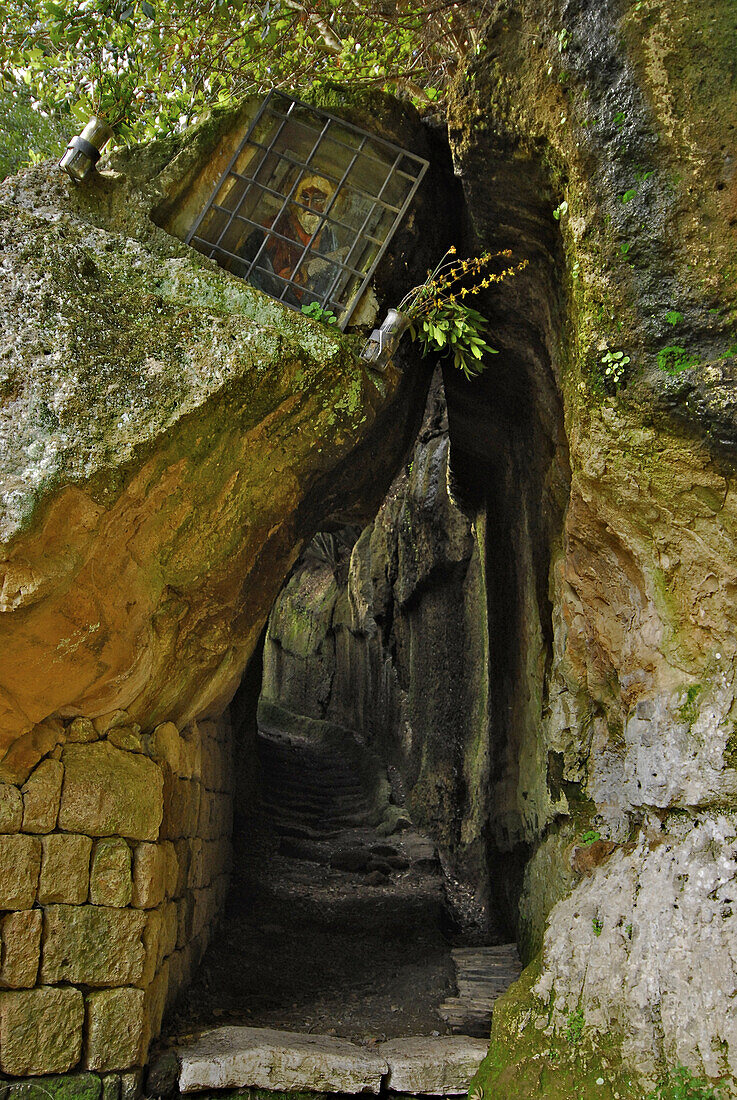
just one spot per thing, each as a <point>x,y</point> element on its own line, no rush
<point>84,150</point>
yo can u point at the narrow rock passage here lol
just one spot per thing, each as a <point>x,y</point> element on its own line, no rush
<point>330,927</point>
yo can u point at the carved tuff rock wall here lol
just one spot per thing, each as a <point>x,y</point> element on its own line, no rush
<point>169,440</point>
<point>388,637</point>
<point>114,857</point>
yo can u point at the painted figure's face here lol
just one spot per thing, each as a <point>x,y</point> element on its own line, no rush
<point>314,192</point>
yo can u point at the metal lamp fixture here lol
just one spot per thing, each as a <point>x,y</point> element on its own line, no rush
<point>84,150</point>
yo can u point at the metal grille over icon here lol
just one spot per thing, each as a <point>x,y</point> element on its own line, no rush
<point>307,206</point>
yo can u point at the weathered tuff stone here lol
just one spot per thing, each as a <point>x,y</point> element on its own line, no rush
<point>108,792</point>
<point>65,869</point>
<point>430,1066</point>
<point>41,795</point>
<point>81,731</point>
<point>40,1030</point>
<point>11,808</point>
<point>93,945</point>
<point>21,948</point>
<point>26,751</point>
<point>110,873</point>
<point>20,862</point>
<point>243,1057</point>
<point>149,875</point>
<point>115,1020</point>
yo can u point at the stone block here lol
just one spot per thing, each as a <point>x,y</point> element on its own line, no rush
<point>65,869</point>
<point>169,929</point>
<point>40,1030</point>
<point>190,753</point>
<point>238,1057</point>
<point>115,1028</point>
<point>41,795</point>
<point>93,945</point>
<point>185,913</point>
<point>183,856</point>
<point>126,737</point>
<point>25,752</point>
<point>152,941</point>
<point>108,792</point>
<point>131,1085</point>
<point>81,731</point>
<point>156,997</point>
<point>20,863</point>
<point>11,808</point>
<point>172,868</point>
<point>197,877</point>
<point>149,875</point>
<point>433,1066</point>
<point>110,874</point>
<point>182,810</point>
<point>165,745</point>
<point>111,1087</point>
<point>162,1075</point>
<point>21,943</point>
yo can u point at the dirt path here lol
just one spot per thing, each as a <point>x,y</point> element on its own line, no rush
<point>308,944</point>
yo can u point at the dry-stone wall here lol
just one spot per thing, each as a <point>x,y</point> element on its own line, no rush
<point>114,859</point>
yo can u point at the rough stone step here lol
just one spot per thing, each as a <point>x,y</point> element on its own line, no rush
<point>275,797</point>
<point>432,1066</point>
<point>283,1061</point>
<point>482,975</point>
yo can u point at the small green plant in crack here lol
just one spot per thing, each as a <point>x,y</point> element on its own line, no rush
<point>564,40</point>
<point>598,926</point>
<point>589,837</point>
<point>575,1023</point>
<point>689,709</point>
<point>625,247</point>
<point>675,359</point>
<point>560,211</point>
<point>673,317</point>
<point>628,931</point>
<point>614,364</point>
<point>620,118</point>
<point>680,1084</point>
<point>629,195</point>
<point>319,313</point>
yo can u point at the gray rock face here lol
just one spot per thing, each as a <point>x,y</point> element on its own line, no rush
<point>241,1057</point>
<point>662,917</point>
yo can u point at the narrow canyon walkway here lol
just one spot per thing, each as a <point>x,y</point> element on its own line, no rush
<point>332,928</point>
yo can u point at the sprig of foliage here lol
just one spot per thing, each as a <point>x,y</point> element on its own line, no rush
<point>149,66</point>
<point>442,321</point>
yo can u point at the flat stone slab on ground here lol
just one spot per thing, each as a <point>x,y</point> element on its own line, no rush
<point>243,1057</point>
<point>432,1066</point>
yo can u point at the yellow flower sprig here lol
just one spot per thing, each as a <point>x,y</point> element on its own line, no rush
<point>441,285</point>
<point>443,322</point>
